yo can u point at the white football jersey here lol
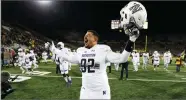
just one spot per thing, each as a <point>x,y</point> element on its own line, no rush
<point>93,64</point>
<point>66,51</point>
<point>145,56</point>
<point>166,56</point>
<point>27,58</point>
<point>44,54</point>
<point>135,57</point>
<point>57,53</point>
<point>21,55</point>
<point>156,56</point>
<point>33,56</point>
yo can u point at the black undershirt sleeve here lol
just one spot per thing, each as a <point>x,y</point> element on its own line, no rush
<point>129,46</point>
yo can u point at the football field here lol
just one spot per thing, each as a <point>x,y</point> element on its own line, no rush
<point>45,84</point>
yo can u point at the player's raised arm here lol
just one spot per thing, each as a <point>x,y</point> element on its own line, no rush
<point>65,55</point>
<point>122,57</point>
<point>70,58</point>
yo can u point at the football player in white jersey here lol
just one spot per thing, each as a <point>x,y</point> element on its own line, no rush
<point>64,65</point>
<point>170,56</point>
<point>135,60</point>
<point>21,60</point>
<point>28,62</point>
<point>33,59</point>
<point>44,56</point>
<point>145,60</point>
<point>167,58</point>
<point>93,57</point>
<point>156,58</point>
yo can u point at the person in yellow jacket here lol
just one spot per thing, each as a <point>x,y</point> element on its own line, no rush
<point>178,63</point>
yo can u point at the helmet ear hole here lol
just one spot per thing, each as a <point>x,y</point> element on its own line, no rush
<point>125,16</point>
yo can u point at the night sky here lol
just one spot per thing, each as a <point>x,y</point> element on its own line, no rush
<point>163,17</point>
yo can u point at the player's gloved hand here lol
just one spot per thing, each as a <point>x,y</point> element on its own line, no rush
<point>47,44</point>
<point>135,34</point>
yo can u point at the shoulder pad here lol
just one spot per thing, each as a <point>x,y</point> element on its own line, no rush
<point>104,47</point>
<point>80,49</point>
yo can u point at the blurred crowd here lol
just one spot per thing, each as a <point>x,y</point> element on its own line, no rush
<point>15,36</point>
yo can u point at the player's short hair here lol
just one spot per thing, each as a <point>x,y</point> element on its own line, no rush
<point>94,33</point>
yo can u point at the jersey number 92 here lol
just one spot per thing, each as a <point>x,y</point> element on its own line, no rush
<point>87,67</point>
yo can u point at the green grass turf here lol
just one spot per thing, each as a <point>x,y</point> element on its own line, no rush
<point>54,87</point>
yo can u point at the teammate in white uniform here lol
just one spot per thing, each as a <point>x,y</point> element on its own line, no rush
<point>167,58</point>
<point>64,65</point>
<point>145,60</point>
<point>156,57</point>
<point>33,59</point>
<point>21,60</point>
<point>93,57</point>
<point>135,60</point>
<point>28,63</point>
<point>44,56</point>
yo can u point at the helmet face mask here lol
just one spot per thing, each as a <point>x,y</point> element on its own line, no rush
<point>60,45</point>
<point>131,29</point>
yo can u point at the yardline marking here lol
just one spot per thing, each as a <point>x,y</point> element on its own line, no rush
<point>115,70</point>
<point>147,80</point>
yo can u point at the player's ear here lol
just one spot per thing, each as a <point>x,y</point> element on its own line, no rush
<point>96,38</point>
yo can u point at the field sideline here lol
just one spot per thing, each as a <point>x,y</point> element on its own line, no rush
<point>146,85</point>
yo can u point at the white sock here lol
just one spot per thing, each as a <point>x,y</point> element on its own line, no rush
<point>66,80</point>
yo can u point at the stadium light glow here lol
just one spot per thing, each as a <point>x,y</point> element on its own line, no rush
<point>44,2</point>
